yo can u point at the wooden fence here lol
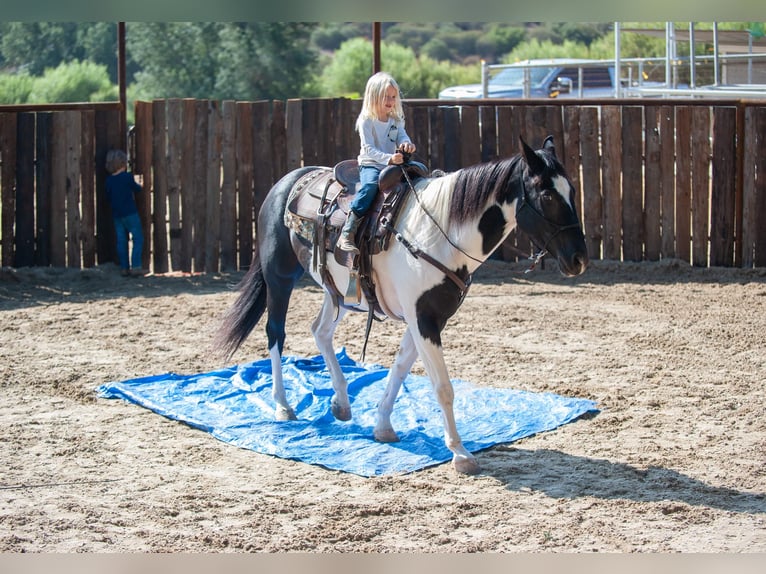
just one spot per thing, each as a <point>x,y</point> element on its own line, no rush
<point>51,184</point>
<point>656,179</point>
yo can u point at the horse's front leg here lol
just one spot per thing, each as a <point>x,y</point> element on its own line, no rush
<point>433,360</point>
<point>323,329</point>
<point>405,358</point>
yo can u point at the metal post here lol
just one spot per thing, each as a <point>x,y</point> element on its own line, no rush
<point>375,47</point>
<point>716,78</point>
<point>692,58</point>
<point>484,79</point>
<point>617,72</point>
<point>668,42</point>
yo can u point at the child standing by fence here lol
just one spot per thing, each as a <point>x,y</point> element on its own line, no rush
<point>383,139</point>
<point>120,190</point>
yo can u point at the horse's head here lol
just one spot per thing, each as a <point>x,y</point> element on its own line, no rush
<point>546,211</point>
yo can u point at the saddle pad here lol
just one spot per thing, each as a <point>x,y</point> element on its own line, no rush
<point>234,404</point>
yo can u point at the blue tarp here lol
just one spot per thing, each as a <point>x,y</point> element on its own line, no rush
<point>234,404</point>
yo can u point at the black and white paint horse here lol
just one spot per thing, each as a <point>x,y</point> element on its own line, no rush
<point>458,219</point>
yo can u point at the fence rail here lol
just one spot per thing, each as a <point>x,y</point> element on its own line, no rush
<point>656,179</point>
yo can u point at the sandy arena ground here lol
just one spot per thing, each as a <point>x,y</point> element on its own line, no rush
<point>674,462</point>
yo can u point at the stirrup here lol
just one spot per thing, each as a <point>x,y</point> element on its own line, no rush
<point>353,294</point>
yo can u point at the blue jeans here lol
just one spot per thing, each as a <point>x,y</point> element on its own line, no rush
<point>123,226</point>
<point>368,176</point>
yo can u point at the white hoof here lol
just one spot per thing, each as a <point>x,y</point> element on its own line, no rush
<point>285,414</point>
<point>466,464</point>
<point>386,435</point>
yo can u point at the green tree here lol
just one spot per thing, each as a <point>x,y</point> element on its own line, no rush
<point>264,60</point>
<point>176,59</point>
<point>255,60</point>
<point>37,46</point>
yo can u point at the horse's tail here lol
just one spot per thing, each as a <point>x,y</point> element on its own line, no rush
<point>242,317</point>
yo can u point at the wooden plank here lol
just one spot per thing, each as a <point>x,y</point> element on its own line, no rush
<point>294,131</point>
<point>24,255</point>
<point>213,207</point>
<point>325,134</point>
<point>469,140</point>
<point>174,181</point>
<point>43,176</point>
<point>507,143</point>
<point>246,214</point>
<point>683,171</point>
<point>341,136</point>
<point>58,191</point>
<point>452,149</point>
<point>667,174</point>
<point>88,187</point>
<point>309,133</point>
<point>108,136</point>
<point>199,200</point>
<point>722,198</point>
<point>488,133</point>
<point>160,181</point>
<point>759,244</point>
<point>143,161</point>
<point>278,140</point>
<point>749,197</point>
<point>700,184</point>
<point>8,123</point>
<point>417,128</point>
<point>653,192</point>
<point>568,151</point>
<point>592,199</point>
<point>73,232</point>
<point>228,188</point>
<point>611,170</point>
<point>262,176</point>
<point>632,184</point>
<point>188,133</point>
<point>436,142</point>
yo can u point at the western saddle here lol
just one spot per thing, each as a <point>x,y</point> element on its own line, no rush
<point>317,208</point>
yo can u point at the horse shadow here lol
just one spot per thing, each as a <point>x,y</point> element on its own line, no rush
<point>561,475</point>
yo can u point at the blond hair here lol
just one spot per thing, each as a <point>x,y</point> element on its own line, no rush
<point>374,95</point>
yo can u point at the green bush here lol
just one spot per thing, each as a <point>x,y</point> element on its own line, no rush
<point>73,82</point>
<point>15,88</point>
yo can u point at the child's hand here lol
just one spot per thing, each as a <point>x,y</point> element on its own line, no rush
<point>397,159</point>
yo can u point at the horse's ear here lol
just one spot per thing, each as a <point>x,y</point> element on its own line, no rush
<point>549,147</point>
<point>536,165</point>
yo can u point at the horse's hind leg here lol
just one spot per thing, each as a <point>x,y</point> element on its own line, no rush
<point>405,358</point>
<point>275,331</point>
<point>323,329</point>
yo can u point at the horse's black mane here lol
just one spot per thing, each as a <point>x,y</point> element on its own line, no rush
<point>475,185</point>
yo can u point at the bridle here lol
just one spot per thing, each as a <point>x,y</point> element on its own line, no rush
<point>557,227</point>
